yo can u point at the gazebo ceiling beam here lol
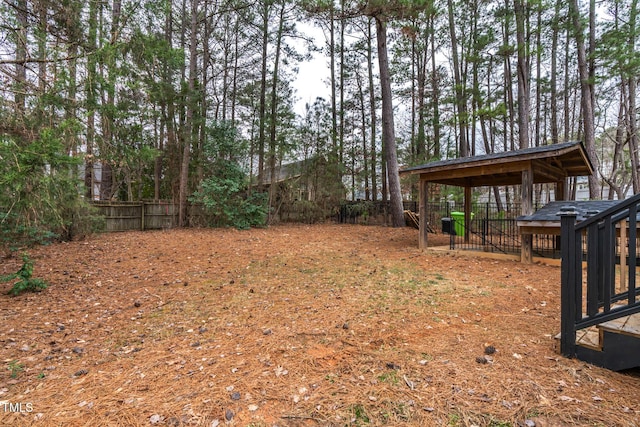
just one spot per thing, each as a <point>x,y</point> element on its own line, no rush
<point>474,172</point>
<point>548,171</point>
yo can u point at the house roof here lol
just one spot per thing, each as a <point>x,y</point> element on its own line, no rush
<point>549,163</point>
<point>289,171</point>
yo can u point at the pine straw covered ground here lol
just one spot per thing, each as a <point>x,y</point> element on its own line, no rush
<point>324,325</point>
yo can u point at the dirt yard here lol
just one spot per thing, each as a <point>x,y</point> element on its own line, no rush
<point>327,325</point>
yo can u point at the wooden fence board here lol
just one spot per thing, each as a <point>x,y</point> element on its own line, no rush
<point>126,216</point>
<point>160,216</point>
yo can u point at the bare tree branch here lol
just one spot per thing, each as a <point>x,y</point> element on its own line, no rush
<point>39,61</point>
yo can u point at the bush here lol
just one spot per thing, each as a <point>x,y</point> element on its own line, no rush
<point>24,283</point>
<point>308,212</point>
<point>224,193</point>
<point>83,220</point>
<point>228,205</point>
<point>361,210</point>
<point>40,193</point>
<point>15,234</point>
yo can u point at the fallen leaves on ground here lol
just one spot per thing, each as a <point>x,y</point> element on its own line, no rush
<point>293,325</point>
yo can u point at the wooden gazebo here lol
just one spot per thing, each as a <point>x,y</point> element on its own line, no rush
<point>545,164</point>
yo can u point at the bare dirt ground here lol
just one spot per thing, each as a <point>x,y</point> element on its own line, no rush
<point>327,325</point>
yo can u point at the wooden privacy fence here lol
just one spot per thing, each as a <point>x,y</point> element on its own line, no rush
<point>124,216</point>
<point>163,214</point>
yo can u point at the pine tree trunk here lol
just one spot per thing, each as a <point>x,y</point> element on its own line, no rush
<point>332,65</point>
<point>106,183</point>
<point>189,130</point>
<point>22,15</point>
<point>586,100</point>
<point>523,76</point>
<point>234,80</point>
<point>388,131</point>
<point>631,96</point>
<point>169,114</point>
<point>539,48</point>
<point>435,102</point>
<point>90,95</point>
<point>274,113</point>
<point>457,79</point>
<point>421,139</point>
<point>263,93</point>
<point>566,112</point>
<point>372,111</point>
<point>341,85</point>
<point>42,47</point>
<point>363,129</point>
<point>555,137</point>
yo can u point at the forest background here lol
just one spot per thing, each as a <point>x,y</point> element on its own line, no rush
<point>194,100</point>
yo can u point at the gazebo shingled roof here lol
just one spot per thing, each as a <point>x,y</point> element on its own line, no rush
<point>549,163</point>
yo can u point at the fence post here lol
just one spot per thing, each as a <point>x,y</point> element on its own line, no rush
<point>485,225</point>
<point>142,216</point>
<point>568,283</point>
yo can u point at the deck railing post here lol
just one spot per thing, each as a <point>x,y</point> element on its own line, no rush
<point>568,303</point>
<point>595,265</point>
<point>631,251</point>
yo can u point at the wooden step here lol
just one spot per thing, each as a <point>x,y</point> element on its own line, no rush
<point>613,345</point>
<point>412,219</point>
<point>592,337</point>
<point>589,337</point>
<point>628,325</point>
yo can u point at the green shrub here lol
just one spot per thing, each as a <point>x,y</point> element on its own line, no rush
<point>360,208</point>
<point>40,192</point>
<point>15,234</point>
<point>223,193</point>
<point>308,212</point>
<point>84,220</point>
<point>15,367</point>
<point>225,200</point>
<point>24,283</point>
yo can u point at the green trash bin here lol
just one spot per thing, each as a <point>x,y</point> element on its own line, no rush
<point>458,222</point>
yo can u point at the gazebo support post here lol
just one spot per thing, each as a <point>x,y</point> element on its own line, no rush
<point>423,197</point>
<point>526,240</point>
<point>560,194</point>
<point>467,212</point>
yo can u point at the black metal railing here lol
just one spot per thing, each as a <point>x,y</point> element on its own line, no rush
<point>487,234</point>
<point>492,228</point>
<point>351,212</point>
<point>502,235</point>
<point>609,291</point>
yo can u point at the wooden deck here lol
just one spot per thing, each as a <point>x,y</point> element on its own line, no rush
<point>589,337</point>
<point>593,337</point>
<point>629,325</point>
